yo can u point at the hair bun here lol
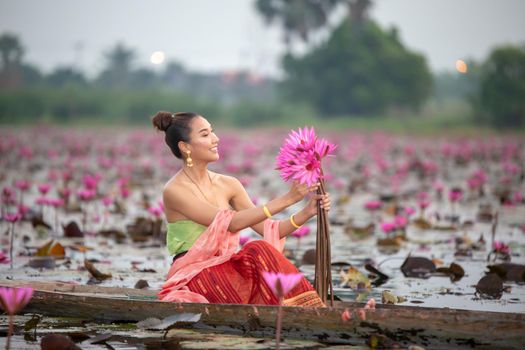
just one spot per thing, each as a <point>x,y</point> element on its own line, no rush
<point>162,120</point>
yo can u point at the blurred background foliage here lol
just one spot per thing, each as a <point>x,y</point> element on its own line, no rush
<point>359,75</point>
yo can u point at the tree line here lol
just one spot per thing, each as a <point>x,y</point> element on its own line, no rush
<point>359,69</point>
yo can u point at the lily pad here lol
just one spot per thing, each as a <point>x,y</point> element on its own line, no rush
<point>509,271</point>
<point>419,267</point>
<point>490,286</point>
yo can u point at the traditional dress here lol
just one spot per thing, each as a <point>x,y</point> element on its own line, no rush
<point>213,272</point>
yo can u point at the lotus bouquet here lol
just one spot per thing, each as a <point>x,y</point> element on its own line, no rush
<point>300,159</point>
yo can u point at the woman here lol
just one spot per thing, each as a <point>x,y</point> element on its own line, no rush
<point>206,210</point>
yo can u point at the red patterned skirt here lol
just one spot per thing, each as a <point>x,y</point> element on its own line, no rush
<point>240,281</point>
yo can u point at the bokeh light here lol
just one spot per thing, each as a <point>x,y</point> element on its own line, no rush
<point>461,66</point>
<point>157,57</point>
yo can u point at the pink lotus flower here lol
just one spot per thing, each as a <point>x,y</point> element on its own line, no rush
<point>44,188</point>
<point>42,201</point>
<point>3,258</point>
<point>12,300</point>
<point>55,202</point>
<point>300,156</point>
<point>91,181</point>
<point>12,217</point>
<point>244,239</point>
<point>86,194</point>
<point>400,221</point>
<point>124,192</point>
<point>301,232</point>
<point>373,205</point>
<point>423,204</point>
<point>8,195</point>
<point>281,283</point>
<point>107,201</point>
<point>156,211</point>
<point>409,211</point>
<point>500,247</point>
<point>455,194</point>
<point>22,185</point>
<point>388,227</point>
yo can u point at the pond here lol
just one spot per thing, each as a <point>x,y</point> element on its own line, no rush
<point>410,179</point>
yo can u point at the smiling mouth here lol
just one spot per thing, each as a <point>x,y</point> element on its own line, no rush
<point>214,149</point>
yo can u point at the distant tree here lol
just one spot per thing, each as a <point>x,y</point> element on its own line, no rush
<point>174,75</point>
<point>30,74</point>
<point>119,61</point>
<point>500,100</point>
<point>360,70</point>
<point>11,52</point>
<point>143,78</point>
<point>66,76</point>
<point>300,18</point>
<point>452,85</point>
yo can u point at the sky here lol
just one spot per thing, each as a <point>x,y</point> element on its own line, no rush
<point>218,35</point>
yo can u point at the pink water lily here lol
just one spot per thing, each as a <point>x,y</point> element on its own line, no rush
<point>86,194</point>
<point>12,300</point>
<point>107,201</point>
<point>455,194</point>
<point>12,217</point>
<point>244,239</point>
<point>400,221</point>
<point>301,154</point>
<point>373,205</point>
<point>301,232</point>
<point>500,247</point>
<point>3,258</point>
<point>281,283</point>
<point>388,227</point>
<point>22,185</point>
<point>44,188</point>
<point>155,211</point>
<point>409,211</point>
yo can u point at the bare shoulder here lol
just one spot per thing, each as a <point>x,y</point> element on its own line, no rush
<point>175,187</point>
<point>225,181</point>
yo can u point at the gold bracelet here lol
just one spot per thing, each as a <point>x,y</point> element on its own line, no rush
<point>292,221</point>
<point>267,212</point>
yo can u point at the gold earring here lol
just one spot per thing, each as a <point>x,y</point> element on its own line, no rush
<point>189,161</point>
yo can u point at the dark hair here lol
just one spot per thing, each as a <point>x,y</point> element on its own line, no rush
<point>176,128</point>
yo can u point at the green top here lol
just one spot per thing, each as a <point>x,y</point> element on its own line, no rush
<point>182,234</point>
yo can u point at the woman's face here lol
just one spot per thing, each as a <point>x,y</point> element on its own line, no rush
<point>203,141</point>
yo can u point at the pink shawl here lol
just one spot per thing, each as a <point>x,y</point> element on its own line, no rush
<point>214,246</point>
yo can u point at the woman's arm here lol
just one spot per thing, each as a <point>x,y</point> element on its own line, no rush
<point>182,200</point>
<point>242,201</point>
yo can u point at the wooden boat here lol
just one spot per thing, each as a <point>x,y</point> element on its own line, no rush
<point>434,327</point>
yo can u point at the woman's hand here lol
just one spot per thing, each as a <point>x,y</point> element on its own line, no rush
<point>311,207</point>
<point>299,191</point>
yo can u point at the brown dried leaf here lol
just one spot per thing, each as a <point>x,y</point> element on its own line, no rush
<point>95,272</point>
<point>51,248</point>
